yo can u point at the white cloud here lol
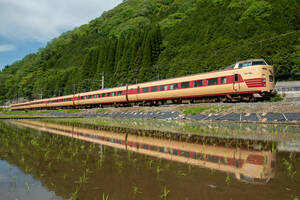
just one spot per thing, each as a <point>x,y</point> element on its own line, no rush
<point>6,47</point>
<point>42,20</point>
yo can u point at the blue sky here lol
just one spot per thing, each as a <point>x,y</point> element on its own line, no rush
<point>27,25</point>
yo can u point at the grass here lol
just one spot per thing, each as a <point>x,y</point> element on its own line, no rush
<point>276,98</point>
<point>205,109</point>
<point>21,112</point>
<point>100,110</point>
<point>3,109</point>
<point>32,113</point>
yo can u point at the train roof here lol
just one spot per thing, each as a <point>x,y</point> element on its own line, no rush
<point>250,60</point>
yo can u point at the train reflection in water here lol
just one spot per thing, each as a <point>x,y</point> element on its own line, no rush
<point>253,166</point>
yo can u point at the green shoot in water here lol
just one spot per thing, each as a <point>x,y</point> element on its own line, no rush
<point>105,197</point>
<point>74,195</point>
<point>165,193</point>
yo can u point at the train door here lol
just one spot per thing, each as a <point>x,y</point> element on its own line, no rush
<point>138,92</point>
<point>73,100</point>
<point>132,93</point>
<point>236,83</point>
<point>127,100</point>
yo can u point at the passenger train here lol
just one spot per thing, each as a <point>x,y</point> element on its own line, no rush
<point>248,80</point>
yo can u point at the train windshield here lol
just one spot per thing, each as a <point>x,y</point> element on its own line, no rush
<point>259,62</point>
<point>252,63</point>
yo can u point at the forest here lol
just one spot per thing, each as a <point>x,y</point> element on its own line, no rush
<point>144,40</point>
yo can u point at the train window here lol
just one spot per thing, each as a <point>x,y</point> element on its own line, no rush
<point>200,156</point>
<point>94,96</point>
<point>212,81</point>
<point>90,96</point>
<point>114,94</point>
<point>154,89</point>
<point>119,93</point>
<point>163,87</point>
<point>198,83</point>
<point>224,161</point>
<point>174,151</point>
<point>145,90</point>
<point>185,85</point>
<point>173,86</point>
<point>144,146</point>
<point>153,148</point>
<point>161,149</point>
<point>103,94</point>
<point>212,158</point>
<point>246,64</point>
<point>108,94</point>
<point>259,63</point>
<point>236,77</point>
<point>271,78</point>
<point>223,80</point>
<point>98,95</point>
<point>185,154</point>
<point>138,89</point>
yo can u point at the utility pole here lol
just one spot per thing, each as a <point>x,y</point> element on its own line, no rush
<point>102,84</point>
<point>157,69</point>
<point>41,94</point>
<point>73,88</point>
<point>18,95</point>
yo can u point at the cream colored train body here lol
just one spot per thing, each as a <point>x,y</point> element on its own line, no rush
<point>244,81</point>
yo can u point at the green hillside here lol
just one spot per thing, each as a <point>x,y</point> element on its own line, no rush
<point>142,40</point>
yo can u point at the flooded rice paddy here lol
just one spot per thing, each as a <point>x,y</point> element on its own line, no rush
<point>148,160</point>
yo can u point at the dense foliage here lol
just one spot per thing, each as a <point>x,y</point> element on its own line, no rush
<point>143,40</point>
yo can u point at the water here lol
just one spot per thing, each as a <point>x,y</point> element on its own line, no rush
<point>67,162</point>
<point>15,184</point>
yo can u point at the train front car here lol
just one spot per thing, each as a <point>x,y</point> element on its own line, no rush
<point>256,77</point>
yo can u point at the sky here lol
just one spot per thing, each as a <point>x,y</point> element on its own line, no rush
<point>27,25</point>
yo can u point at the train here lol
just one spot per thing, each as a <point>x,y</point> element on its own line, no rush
<point>246,165</point>
<point>248,80</point>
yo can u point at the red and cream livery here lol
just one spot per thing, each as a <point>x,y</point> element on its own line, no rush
<point>243,81</point>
